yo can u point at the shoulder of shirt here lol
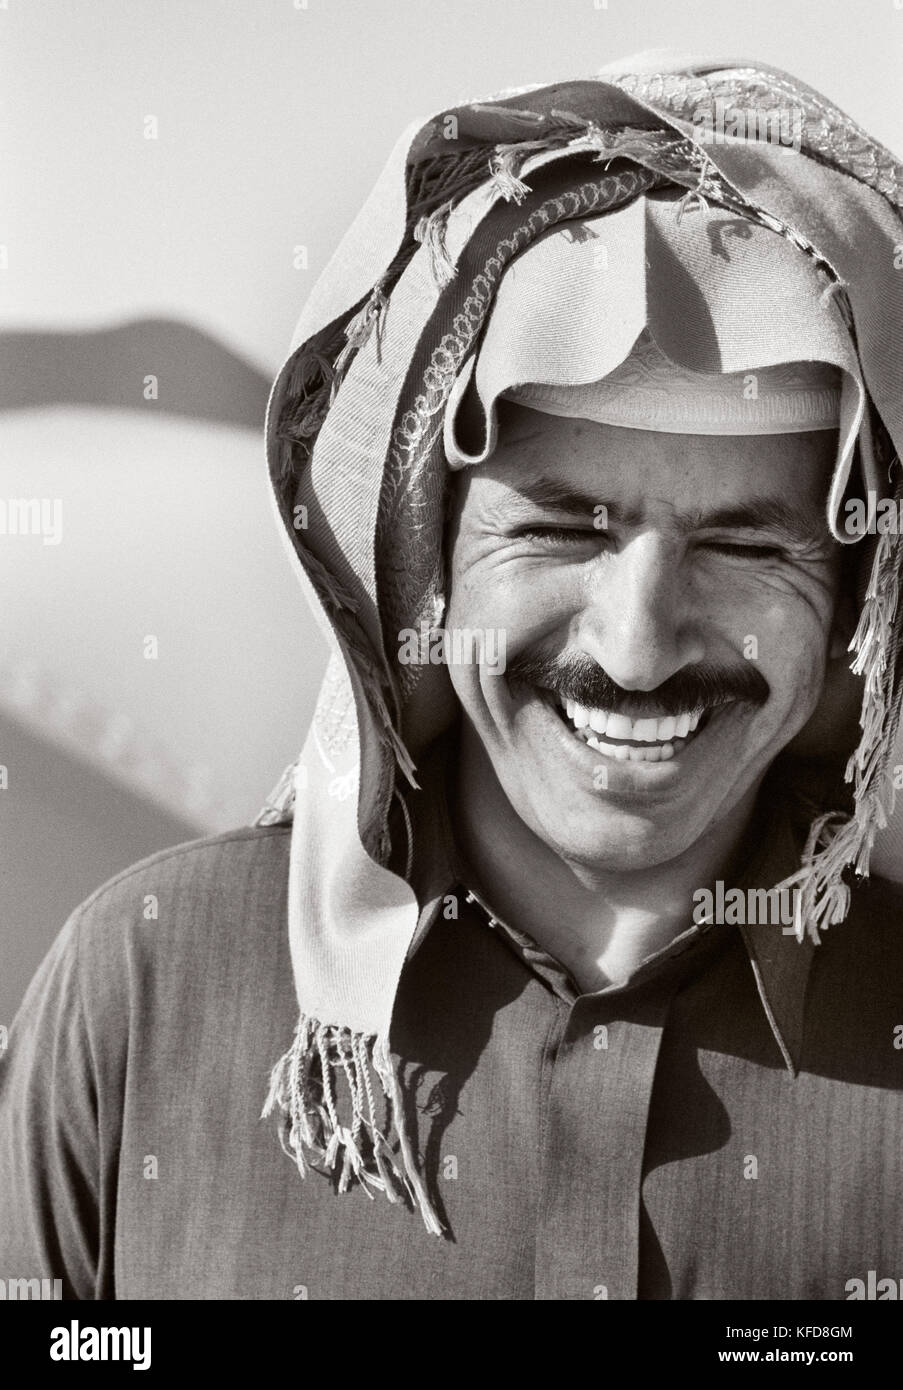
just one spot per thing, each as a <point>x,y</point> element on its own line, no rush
<point>192,933</point>
<point>208,856</point>
<point>198,856</point>
<point>237,879</point>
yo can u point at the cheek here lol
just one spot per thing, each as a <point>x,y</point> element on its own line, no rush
<point>784,626</point>
<point>524,605</point>
<point>525,597</point>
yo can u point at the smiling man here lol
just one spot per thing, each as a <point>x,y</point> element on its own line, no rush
<point>622,755</point>
<point>580,403</point>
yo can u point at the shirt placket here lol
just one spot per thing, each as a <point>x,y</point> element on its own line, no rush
<point>600,1073</point>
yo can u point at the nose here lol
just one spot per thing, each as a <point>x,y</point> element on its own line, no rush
<point>640,622</point>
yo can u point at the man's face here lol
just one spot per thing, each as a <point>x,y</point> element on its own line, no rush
<point>669,597</point>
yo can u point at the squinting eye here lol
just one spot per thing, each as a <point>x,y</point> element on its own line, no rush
<point>746,552</point>
<point>567,534</point>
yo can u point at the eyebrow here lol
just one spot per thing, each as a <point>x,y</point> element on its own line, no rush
<point>800,525</point>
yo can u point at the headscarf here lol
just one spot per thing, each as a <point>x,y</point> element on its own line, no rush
<point>356,454</point>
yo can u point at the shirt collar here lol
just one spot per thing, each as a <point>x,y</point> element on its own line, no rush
<point>780,962</point>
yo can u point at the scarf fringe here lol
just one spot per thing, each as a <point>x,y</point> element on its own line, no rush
<point>508,160</point>
<point>357,332</point>
<point>308,396</point>
<point>321,367</point>
<point>837,842</point>
<point>278,808</point>
<point>430,232</point>
<point>303,1091</point>
<point>661,151</point>
<point>570,132</point>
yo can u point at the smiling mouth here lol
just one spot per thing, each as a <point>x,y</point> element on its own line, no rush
<point>650,739</point>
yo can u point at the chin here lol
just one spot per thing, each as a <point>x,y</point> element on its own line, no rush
<point>612,842</point>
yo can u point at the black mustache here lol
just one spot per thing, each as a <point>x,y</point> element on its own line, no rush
<point>693,687</point>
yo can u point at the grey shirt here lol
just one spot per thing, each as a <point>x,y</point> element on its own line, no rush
<point>726,1125</point>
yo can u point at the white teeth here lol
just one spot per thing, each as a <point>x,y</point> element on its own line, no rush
<point>659,734</point>
<point>619,726</point>
<point>622,753</point>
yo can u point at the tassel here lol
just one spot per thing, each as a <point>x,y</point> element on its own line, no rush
<point>508,159</point>
<point>706,187</point>
<point>382,1062</point>
<point>357,332</point>
<point>306,404</point>
<point>690,201</point>
<point>382,1153</point>
<point>836,843</point>
<point>837,292</point>
<point>277,809</point>
<point>430,232</point>
<point>302,1091</point>
<point>502,168</point>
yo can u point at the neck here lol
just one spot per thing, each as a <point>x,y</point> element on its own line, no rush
<point>600,924</point>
